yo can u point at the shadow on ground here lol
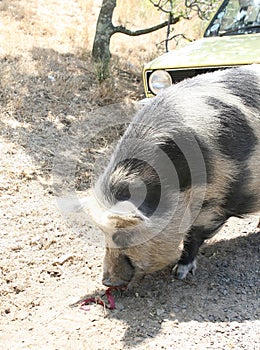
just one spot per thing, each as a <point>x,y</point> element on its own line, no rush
<point>57,106</point>
<point>225,289</point>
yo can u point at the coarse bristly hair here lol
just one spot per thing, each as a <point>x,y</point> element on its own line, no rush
<point>208,124</point>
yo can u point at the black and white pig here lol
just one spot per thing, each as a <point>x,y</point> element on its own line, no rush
<point>189,160</point>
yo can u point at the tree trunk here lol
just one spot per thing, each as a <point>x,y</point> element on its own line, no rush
<point>104,31</point>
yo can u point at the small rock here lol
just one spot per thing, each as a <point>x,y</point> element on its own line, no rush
<point>159,312</point>
<point>120,306</point>
<point>62,259</point>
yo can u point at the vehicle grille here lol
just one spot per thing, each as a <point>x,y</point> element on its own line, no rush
<point>178,75</point>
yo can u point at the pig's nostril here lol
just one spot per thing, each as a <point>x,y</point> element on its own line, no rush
<point>106,282</point>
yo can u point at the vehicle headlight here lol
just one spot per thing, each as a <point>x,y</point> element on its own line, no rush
<point>158,80</point>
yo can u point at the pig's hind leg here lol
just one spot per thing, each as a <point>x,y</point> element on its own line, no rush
<point>192,242</point>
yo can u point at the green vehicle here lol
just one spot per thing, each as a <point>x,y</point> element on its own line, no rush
<point>232,38</point>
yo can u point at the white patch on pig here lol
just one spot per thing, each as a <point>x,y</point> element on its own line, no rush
<point>121,215</point>
<point>181,270</point>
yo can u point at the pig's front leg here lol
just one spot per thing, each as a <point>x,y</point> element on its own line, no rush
<point>192,242</point>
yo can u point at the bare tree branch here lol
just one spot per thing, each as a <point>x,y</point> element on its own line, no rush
<point>202,8</point>
<point>105,29</point>
<point>169,27</point>
<point>160,5</point>
<point>177,38</point>
<point>123,30</point>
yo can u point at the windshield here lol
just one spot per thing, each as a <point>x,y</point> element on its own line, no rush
<point>236,17</point>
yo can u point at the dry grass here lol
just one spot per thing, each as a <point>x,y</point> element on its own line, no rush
<point>46,76</point>
<point>63,32</point>
<point>131,53</point>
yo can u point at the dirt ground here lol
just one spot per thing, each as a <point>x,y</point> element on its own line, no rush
<point>54,134</point>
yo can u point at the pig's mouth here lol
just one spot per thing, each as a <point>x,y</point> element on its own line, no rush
<point>123,284</point>
<point>119,283</point>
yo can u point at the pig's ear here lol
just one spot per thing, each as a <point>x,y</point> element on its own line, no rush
<point>126,214</point>
<point>126,221</point>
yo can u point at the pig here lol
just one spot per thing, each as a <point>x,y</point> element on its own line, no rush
<point>188,161</point>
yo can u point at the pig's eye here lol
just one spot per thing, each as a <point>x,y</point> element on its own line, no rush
<point>122,238</point>
<point>129,262</point>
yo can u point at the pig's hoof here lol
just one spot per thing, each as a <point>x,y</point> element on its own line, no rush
<point>181,271</point>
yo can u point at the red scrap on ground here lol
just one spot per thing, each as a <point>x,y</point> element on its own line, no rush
<point>97,300</point>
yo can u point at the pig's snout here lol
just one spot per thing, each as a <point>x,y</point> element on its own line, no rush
<point>113,282</point>
<point>118,269</point>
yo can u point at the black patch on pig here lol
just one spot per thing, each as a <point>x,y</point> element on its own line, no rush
<point>239,200</point>
<point>145,173</point>
<point>195,237</point>
<point>235,137</point>
<point>208,156</point>
<point>245,85</point>
<point>182,165</point>
<point>122,192</point>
